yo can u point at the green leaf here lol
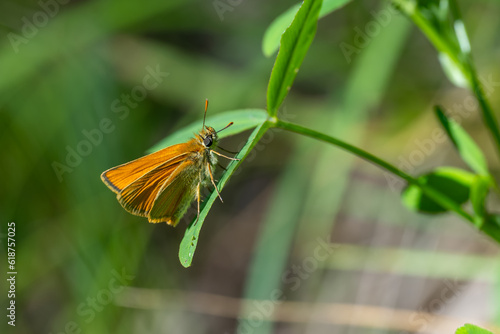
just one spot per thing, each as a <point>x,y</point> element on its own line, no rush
<point>190,240</point>
<point>491,226</point>
<point>243,119</point>
<point>293,48</point>
<point>453,182</point>
<point>272,36</point>
<point>472,329</point>
<point>478,192</point>
<point>465,145</point>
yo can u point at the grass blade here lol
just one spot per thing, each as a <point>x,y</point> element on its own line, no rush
<point>190,240</point>
<point>272,36</point>
<point>293,48</point>
<point>467,148</point>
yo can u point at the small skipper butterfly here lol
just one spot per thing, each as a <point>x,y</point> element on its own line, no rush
<point>162,185</point>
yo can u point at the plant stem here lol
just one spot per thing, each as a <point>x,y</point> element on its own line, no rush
<point>435,195</point>
<point>469,71</point>
<point>488,115</point>
<point>441,45</point>
<point>463,64</point>
<point>348,147</point>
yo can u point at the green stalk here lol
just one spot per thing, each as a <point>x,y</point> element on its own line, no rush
<point>469,71</point>
<point>437,196</point>
<point>488,115</point>
<point>466,67</point>
<point>434,37</point>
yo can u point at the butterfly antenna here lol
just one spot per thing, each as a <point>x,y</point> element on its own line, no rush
<point>225,127</point>
<point>205,115</point>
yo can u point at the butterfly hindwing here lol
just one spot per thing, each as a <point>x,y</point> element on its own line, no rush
<point>176,195</point>
<point>162,185</point>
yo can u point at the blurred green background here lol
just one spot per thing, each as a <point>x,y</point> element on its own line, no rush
<point>308,239</point>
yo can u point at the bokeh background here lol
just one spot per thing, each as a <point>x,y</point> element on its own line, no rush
<point>308,240</point>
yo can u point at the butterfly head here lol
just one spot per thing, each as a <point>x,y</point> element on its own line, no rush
<point>209,136</point>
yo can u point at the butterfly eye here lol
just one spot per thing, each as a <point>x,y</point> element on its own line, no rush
<point>207,141</point>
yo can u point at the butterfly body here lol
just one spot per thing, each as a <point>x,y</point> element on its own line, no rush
<point>162,185</point>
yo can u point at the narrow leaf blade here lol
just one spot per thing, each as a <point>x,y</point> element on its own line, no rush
<point>272,36</point>
<point>244,119</point>
<point>294,45</point>
<point>190,240</point>
<point>467,148</point>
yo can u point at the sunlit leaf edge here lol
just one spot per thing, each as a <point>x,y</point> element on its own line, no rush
<point>244,119</point>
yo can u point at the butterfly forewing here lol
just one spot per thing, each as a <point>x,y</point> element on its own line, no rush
<point>119,177</point>
<point>139,196</point>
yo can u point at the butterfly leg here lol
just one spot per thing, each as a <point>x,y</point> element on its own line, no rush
<point>224,156</point>
<point>198,200</point>
<point>227,151</point>
<point>213,182</point>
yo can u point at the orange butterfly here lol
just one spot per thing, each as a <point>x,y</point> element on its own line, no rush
<point>162,185</point>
